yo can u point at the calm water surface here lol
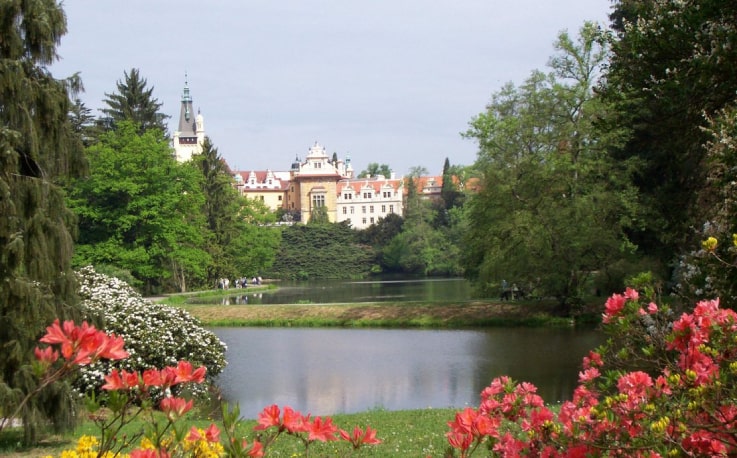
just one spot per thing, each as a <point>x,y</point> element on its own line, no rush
<point>328,371</point>
<point>332,291</point>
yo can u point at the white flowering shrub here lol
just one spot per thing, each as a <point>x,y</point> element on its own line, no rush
<point>155,335</point>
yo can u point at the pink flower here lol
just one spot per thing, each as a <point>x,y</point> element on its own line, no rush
<point>359,437</point>
<point>613,307</point>
<point>631,294</point>
<point>184,373</point>
<point>268,417</point>
<point>121,380</point>
<point>47,356</point>
<point>175,407</point>
<point>321,430</point>
<point>588,375</point>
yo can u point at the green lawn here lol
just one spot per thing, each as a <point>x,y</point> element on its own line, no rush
<point>408,433</point>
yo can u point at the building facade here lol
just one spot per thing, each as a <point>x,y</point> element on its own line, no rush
<point>265,186</point>
<point>364,201</point>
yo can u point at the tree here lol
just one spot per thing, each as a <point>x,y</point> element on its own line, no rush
<point>240,238</point>
<point>671,70</point>
<point>553,207</point>
<point>374,170</point>
<point>222,211</point>
<point>136,103</point>
<point>83,122</point>
<point>141,210</point>
<point>39,151</point>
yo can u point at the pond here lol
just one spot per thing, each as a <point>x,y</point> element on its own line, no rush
<point>341,291</point>
<point>328,371</point>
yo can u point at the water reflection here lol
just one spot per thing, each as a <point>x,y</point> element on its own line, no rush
<point>326,371</point>
<point>333,291</point>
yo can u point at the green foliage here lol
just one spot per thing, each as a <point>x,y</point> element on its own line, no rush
<point>671,70</point>
<point>320,251</point>
<point>319,215</point>
<point>553,207</point>
<point>38,150</point>
<point>374,169</point>
<point>140,210</point>
<point>135,103</point>
<point>420,247</point>
<point>258,241</point>
<point>222,210</point>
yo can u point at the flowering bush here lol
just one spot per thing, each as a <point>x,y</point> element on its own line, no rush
<point>130,396</point>
<point>156,335</point>
<point>682,402</point>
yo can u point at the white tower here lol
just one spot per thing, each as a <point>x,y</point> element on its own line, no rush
<point>190,135</point>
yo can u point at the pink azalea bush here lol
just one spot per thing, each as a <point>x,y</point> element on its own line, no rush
<point>661,386</point>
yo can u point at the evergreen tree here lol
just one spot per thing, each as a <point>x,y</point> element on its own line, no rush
<point>134,102</point>
<point>222,211</point>
<point>39,149</point>
<point>83,122</point>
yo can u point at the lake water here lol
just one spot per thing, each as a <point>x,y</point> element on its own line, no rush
<point>327,371</point>
<point>335,291</point>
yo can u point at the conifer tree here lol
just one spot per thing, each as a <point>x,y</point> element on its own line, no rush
<point>38,148</point>
<point>222,210</point>
<point>135,102</point>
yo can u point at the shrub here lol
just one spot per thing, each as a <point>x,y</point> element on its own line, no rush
<point>156,335</point>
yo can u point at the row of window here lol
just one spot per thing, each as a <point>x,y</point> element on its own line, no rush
<point>370,208</point>
<point>368,195</point>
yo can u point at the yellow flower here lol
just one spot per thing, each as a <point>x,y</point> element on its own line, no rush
<point>710,244</point>
<point>734,239</point>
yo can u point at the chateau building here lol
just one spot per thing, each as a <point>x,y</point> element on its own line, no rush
<point>314,183</point>
<point>190,135</point>
<point>322,181</point>
<point>363,201</point>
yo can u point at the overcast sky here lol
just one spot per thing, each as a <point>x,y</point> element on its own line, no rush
<point>387,81</point>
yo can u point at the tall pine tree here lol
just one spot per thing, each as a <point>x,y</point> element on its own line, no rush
<point>38,148</point>
<point>135,102</point>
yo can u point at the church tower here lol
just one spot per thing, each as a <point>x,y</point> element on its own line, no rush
<point>190,134</point>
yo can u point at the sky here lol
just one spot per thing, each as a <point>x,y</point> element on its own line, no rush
<point>387,81</point>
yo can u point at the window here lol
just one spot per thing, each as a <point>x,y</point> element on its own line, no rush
<point>352,209</point>
<point>366,195</point>
<point>387,194</point>
<point>280,198</point>
<point>318,165</point>
<point>391,208</point>
<point>372,221</point>
<point>318,200</point>
<point>371,209</point>
<point>363,209</point>
<point>261,198</point>
<point>345,210</point>
<point>364,221</point>
<point>383,209</point>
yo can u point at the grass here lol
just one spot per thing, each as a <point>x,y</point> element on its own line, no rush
<point>407,433</point>
<point>380,314</point>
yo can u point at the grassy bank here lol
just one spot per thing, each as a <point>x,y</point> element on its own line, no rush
<point>403,433</point>
<point>380,314</point>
